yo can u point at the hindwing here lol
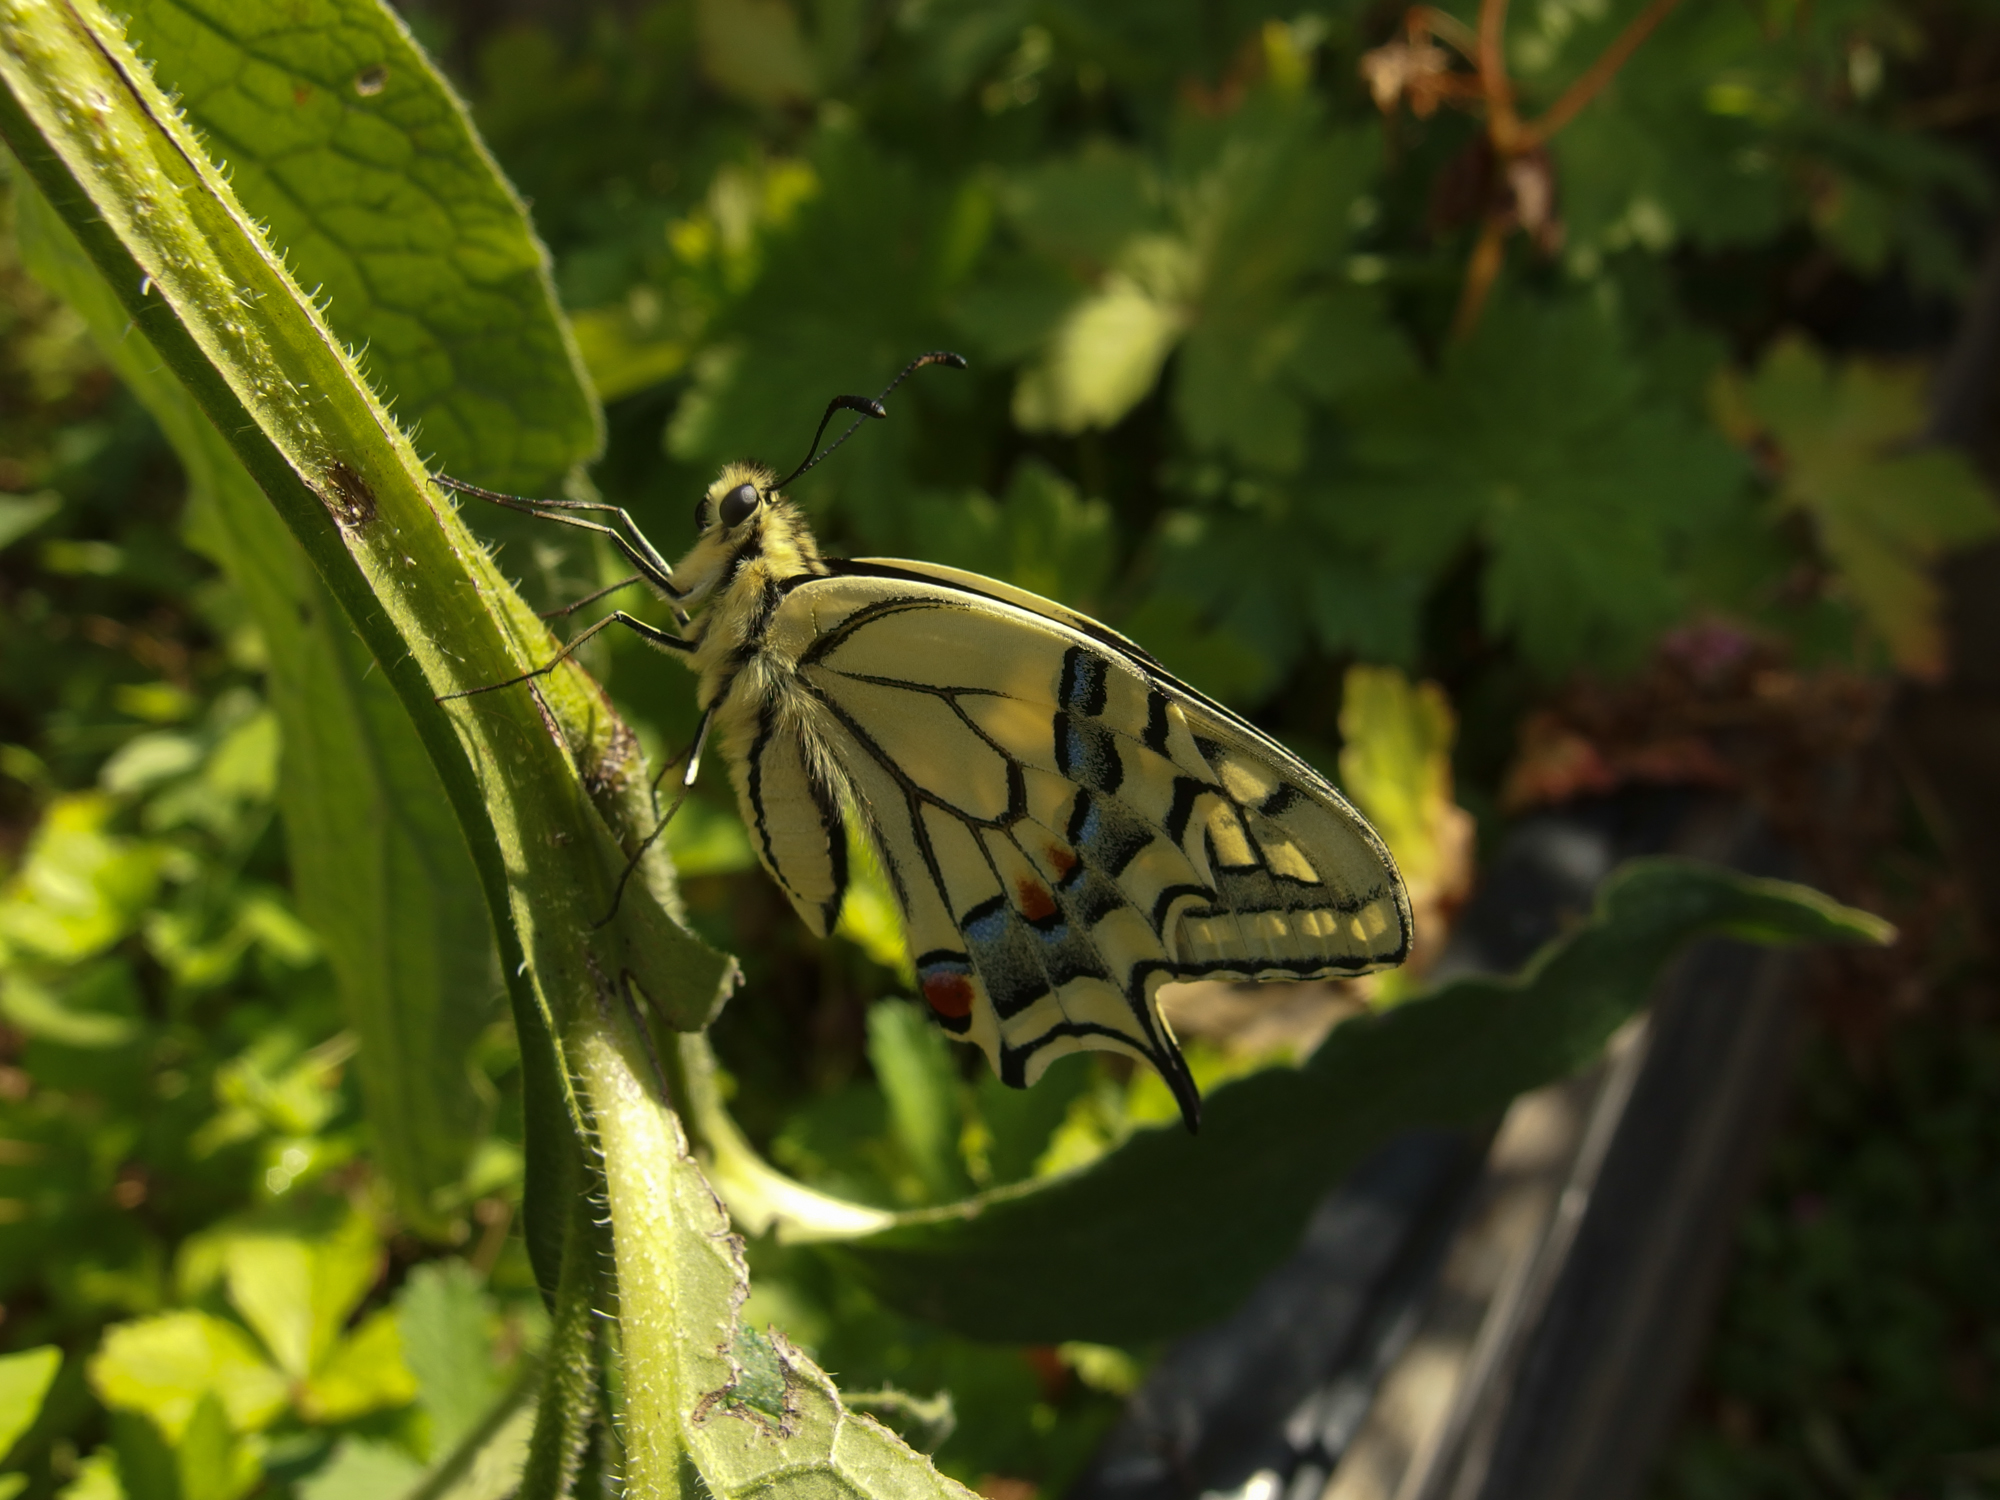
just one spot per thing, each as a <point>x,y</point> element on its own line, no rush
<point>1066,826</point>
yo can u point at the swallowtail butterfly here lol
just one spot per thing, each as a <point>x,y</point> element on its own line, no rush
<point>1065,824</point>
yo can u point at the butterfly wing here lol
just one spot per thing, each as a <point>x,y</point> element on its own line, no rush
<point>1066,826</point>
<point>789,794</point>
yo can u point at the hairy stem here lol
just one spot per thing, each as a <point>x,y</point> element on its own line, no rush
<point>568,1408</point>
<point>639,1136</point>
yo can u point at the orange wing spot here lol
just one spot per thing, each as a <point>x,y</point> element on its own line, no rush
<point>949,994</point>
<point>1062,859</point>
<point>1034,901</point>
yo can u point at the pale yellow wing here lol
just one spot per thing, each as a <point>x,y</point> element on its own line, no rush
<point>790,799</point>
<point>1066,826</point>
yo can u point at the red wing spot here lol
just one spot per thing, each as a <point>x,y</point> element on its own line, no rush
<point>1035,902</point>
<point>949,994</point>
<point>1062,859</point>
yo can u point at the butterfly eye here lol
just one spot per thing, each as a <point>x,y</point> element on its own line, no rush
<point>701,514</point>
<point>738,503</point>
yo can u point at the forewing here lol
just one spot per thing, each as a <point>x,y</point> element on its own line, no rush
<point>1068,827</point>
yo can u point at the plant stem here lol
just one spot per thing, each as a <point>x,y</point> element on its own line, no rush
<point>1597,75</point>
<point>1482,269</point>
<point>1503,125</point>
<point>640,1138</point>
<point>458,1463</point>
<point>1510,137</point>
<point>1447,27</point>
<point>568,1404</point>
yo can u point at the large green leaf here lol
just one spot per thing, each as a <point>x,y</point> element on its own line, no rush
<point>1545,442</point>
<point>521,769</point>
<point>201,286</point>
<point>1171,1229</point>
<point>378,862</point>
<point>164,1366</point>
<point>359,160</point>
<point>755,1415</point>
<point>1845,440</point>
<point>383,197</point>
<point>24,1380</point>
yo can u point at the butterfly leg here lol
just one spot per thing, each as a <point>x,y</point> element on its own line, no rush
<point>651,634</point>
<point>642,554</point>
<point>687,783</point>
<point>588,599</point>
<point>632,1014</point>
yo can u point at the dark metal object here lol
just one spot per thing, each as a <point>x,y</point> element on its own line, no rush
<point>1601,1353</point>
<point>1215,1411</point>
<point>1579,1361</point>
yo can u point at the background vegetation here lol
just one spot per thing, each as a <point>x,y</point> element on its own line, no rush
<point>1295,345</point>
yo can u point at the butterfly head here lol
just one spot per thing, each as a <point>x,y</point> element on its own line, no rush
<point>742,523</point>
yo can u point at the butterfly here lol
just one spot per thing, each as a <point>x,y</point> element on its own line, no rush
<point>1065,825</point>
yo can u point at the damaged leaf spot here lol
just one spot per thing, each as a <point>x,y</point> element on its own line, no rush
<point>762,1387</point>
<point>346,496</point>
<point>371,81</point>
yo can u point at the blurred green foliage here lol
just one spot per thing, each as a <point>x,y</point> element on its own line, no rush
<point>181,1144</point>
<point>1855,1345</point>
<point>1206,289</point>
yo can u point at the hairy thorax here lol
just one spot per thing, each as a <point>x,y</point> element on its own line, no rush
<point>748,672</point>
<point>745,581</point>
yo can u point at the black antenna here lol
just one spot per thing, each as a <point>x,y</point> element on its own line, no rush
<point>867,408</point>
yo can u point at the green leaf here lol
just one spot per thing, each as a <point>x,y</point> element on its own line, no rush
<point>91,1008</point>
<point>443,1314</point>
<point>1265,200</point>
<point>1041,536</point>
<point>25,1378</point>
<point>147,1469</point>
<point>209,1461</point>
<point>1013,1127</point>
<point>883,234</point>
<point>1105,355</point>
<point>296,1291</point>
<point>362,1469</point>
<point>21,514</point>
<point>1085,209</point>
<point>1653,160</point>
<point>377,859</point>
<point>364,1372</point>
<point>913,1063</point>
<point>1231,250</point>
<point>1543,440</point>
<point>1221,658</point>
<point>752,1415</point>
<point>96,1478</point>
<point>359,160</point>
<point>162,1367</point>
<point>755,50</point>
<point>80,888</point>
<point>869,916</point>
<point>1170,1230</point>
<point>1395,762</point>
<point>1847,441</point>
<point>1236,643</point>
